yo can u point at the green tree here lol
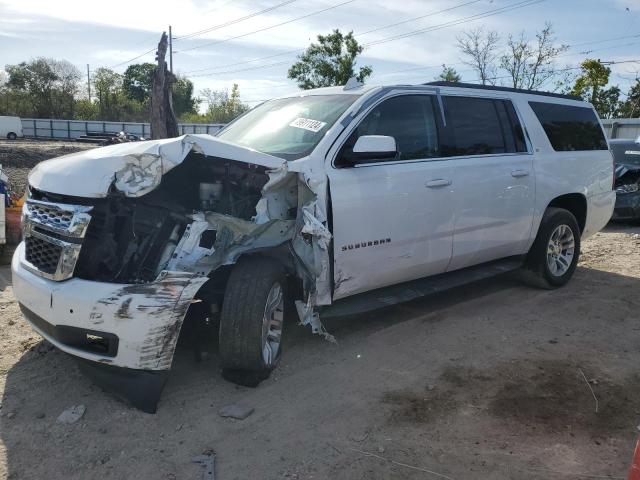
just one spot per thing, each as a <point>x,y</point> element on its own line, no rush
<point>330,62</point>
<point>107,86</point>
<point>630,108</point>
<point>182,95</point>
<point>137,81</point>
<point>43,88</point>
<point>223,107</point>
<point>448,74</point>
<point>590,86</point>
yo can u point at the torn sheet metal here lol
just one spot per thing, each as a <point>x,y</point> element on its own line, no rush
<point>308,316</point>
<point>234,236</point>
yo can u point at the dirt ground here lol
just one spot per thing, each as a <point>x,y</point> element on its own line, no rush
<point>17,157</point>
<point>493,380</point>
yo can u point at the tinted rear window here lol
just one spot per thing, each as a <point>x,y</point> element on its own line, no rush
<point>570,128</point>
<point>481,126</point>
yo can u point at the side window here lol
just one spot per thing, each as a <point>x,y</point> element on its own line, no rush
<point>570,128</point>
<point>481,126</point>
<point>410,119</point>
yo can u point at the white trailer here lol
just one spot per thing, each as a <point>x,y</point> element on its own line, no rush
<point>10,127</point>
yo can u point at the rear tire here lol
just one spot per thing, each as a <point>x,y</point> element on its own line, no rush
<point>252,317</point>
<point>554,254</point>
<point>12,136</point>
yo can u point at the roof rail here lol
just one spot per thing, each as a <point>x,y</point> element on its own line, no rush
<point>501,89</point>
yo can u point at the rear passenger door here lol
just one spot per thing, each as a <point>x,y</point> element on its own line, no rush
<point>493,180</point>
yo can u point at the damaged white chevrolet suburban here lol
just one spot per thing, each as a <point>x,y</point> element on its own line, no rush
<point>339,199</point>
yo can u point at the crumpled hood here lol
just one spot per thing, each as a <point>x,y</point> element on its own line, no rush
<point>135,168</point>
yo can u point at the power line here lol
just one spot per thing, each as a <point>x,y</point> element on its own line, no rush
<point>216,42</point>
<point>489,13</point>
<point>356,34</point>
<point>246,61</point>
<point>425,67</point>
<point>134,58</point>
<point>590,42</point>
<point>234,21</point>
<point>257,67</point>
<point>231,22</point>
<point>589,52</point>
<point>431,14</point>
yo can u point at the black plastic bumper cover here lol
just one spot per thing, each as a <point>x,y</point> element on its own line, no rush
<point>627,207</point>
<point>141,388</point>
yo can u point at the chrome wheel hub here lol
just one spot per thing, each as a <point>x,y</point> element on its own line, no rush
<point>272,324</point>
<point>560,250</point>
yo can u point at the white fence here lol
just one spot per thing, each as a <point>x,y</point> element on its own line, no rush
<point>628,128</point>
<point>71,129</point>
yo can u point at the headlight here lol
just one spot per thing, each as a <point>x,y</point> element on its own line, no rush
<point>628,188</point>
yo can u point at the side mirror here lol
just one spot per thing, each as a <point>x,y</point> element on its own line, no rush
<point>370,147</point>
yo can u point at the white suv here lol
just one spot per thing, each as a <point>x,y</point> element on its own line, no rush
<point>338,199</point>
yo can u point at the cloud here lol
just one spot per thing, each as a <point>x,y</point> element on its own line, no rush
<point>105,35</point>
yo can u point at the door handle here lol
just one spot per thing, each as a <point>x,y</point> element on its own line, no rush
<point>519,173</point>
<point>438,182</point>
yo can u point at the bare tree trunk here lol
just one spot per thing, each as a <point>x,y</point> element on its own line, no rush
<point>163,118</point>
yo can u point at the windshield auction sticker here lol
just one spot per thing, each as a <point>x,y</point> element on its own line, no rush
<point>307,124</point>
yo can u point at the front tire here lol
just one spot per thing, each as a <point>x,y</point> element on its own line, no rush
<point>554,254</point>
<point>12,136</point>
<point>252,316</point>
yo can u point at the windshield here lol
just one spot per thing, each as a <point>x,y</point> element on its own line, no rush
<point>289,128</point>
<point>626,152</point>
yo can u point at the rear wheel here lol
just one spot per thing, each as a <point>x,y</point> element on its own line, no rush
<point>554,254</point>
<point>12,136</point>
<point>252,317</point>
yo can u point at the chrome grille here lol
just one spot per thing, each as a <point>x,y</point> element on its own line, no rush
<point>49,215</point>
<point>53,234</point>
<point>42,254</point>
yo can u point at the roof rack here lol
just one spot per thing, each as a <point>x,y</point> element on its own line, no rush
<point>501,89</point>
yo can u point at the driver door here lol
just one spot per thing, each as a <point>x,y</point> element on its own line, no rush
<point>392,218</point>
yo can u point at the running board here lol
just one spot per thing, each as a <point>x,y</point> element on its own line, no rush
<point>404,292</point>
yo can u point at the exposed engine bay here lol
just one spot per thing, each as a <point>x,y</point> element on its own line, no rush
<point>131,240</point>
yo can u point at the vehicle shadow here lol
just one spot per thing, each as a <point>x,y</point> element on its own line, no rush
<point>113,440</point>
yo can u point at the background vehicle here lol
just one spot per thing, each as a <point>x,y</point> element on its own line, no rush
<point>10,127</point>
<point>354,197</point>
<point>626,155</point>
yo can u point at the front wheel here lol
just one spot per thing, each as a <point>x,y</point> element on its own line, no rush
<point>252,316</point>
<point>12,136</point>
<point>554,254</point>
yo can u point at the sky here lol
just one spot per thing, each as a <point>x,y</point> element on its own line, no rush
<point>256,52</point>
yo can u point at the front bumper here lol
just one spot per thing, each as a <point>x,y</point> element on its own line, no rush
<point>128,327</point>
<point>627,207</point>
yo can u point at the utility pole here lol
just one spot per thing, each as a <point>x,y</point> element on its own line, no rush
<point>170,50</point>
<point>88,83</point>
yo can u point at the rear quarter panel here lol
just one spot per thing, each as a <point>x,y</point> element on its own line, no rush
<point>589,173</point>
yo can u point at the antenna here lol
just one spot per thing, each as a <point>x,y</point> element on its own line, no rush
<point>353,83</point>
